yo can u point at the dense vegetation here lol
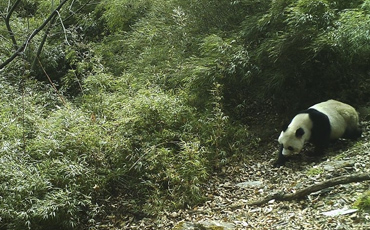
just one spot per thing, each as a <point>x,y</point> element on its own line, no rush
<point>142,100</point>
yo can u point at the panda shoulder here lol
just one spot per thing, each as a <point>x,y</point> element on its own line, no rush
<point>318,117</point>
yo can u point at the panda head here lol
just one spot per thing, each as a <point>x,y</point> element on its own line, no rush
<point>293,137</point>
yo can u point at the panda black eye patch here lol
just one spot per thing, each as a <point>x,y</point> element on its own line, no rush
<point>290,148</point>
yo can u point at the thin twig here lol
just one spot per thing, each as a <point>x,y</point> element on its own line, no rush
<point>64,29</point>
<point>52,84</point>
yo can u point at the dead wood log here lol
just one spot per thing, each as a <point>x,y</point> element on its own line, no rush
<point>281,196</point>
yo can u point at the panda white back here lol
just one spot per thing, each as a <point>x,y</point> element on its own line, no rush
<point>341,116</point>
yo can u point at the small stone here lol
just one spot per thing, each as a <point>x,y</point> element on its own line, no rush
<point>250,184</point>
<point>338,212</point>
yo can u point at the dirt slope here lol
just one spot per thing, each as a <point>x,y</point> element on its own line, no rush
<point>254,178</point>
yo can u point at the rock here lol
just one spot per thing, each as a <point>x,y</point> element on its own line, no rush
<point>334,165</point>
<point>250,184</point>
<point>204,225</point>
<point>338,212</point>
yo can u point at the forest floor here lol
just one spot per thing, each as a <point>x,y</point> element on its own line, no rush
<point>231,190</point>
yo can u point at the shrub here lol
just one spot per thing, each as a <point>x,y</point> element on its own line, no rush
<point>156,144</point>
<point>45,178</point>
<point>153,147</point>
<point>363,202</point>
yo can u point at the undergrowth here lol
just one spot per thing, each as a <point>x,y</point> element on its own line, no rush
<point>154,97</point>
<point>363,202</point>
<point>60,162</point>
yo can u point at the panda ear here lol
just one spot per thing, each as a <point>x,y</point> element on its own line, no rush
<point>299,133</point>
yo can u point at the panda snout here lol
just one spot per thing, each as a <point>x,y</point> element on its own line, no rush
<point>287,152</point>
<point>290,151</point>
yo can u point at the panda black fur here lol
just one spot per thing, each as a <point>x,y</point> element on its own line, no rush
<point>319,124</point>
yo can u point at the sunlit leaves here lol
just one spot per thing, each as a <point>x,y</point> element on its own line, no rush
<point>310,13</point>
<point>121,14</point>
<point>351,33</point>
<point>158,83</point>
<point>41,183</point>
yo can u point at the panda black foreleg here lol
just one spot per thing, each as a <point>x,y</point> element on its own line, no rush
<point>321,143</point>
<point>318,151</point>
<point>320,148</point>
<point>281,159</point>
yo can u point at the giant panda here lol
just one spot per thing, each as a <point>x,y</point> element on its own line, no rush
<point>319,124</point>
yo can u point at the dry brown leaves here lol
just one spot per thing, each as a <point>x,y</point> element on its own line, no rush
<point>255,178</point>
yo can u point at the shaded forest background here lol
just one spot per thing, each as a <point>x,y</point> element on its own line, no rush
<point>141,101</point>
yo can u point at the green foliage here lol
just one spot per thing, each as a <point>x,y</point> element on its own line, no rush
<point>350,36</point>
<point>157,145</point>
<point>363,202</point>
<point>42,184</point>
<point>297,44</point>
<point>155,126</point>
<point>120,15</point>
<point>201,14</point>
<point>315,171</point>
<point>155,43</point>
<point>30,198</point>
<point>157,93</point>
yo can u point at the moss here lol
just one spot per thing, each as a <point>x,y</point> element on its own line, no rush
<point>363,202</point>
<point>315,171</point>
<point>186,225</point>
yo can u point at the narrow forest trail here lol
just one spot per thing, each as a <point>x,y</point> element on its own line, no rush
<point>229,191</point>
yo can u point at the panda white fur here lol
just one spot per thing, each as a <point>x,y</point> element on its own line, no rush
<point>319,124</point>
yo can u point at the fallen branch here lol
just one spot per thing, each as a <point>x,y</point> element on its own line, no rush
<point>281,196</point>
